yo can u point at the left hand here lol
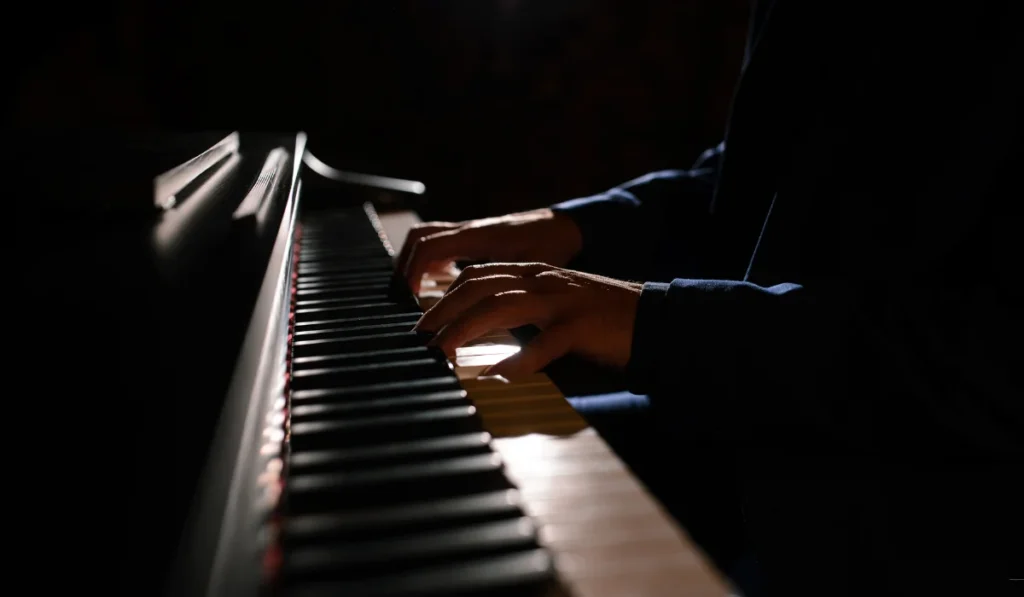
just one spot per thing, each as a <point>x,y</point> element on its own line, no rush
<point>580,313</point>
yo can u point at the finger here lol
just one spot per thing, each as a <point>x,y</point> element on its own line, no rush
<point>475,272</point>
<point>453,304</point>
<point>551,344</point>
<point>437,248</point>
<point>414,235</point>
<point>507,310</point>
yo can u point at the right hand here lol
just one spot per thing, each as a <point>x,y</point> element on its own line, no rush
<point>535,236</point>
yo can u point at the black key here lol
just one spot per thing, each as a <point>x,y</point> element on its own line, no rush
<point>408,303</point>
<point>341,289</point>
<point>503,575</point>
<point>366,343</point>
<point>359,358</point>
<point>346,259</point>
<point>335,223</point>
<point>396,484</point>
<point>343,299</point>
<point>372,307</point>
<point>344,255</point>
<point>318,281</point>
<point>328,252</point>
<point>467,444</point>
<point>342,280</point>
<point>381,429</point>
<point>358,239</point>
<point>447,381</point>
<point>378,522</point>
<point>327,267</point>
<point>380,406</point>
<point>357,266</point>
<point>360,311</point>
<point>338,227</point>
<point>365,558</point>
<point>352,234</point>
<point>427,366</point>
<point>342,331</point>
<point>411,316</point>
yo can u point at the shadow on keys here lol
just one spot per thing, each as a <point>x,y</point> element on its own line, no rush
<point>533,404</point>
<point>608,534</point>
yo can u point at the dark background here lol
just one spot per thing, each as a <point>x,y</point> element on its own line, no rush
<point>496,105</point>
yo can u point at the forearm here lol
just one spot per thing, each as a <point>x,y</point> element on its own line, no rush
<point>641,229</point>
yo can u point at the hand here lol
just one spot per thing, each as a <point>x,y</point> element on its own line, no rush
<point>539,235</point>
<point>579,313</point>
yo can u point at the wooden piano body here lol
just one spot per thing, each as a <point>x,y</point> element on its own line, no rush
<point>335,467</point>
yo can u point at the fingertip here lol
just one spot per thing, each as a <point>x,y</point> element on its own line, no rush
<point>505,368</point>
<point>509,374</point>
<point>444,343</point>
<point>424,326</point>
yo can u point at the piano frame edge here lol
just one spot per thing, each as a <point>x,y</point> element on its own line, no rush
<point>216,532</point>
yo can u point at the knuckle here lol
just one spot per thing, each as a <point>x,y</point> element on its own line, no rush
<point>433,225</point>
<point>419,239</point>
<point>515,300</point>
<point>419,232</point>
<point>459,289</point>
<point>473,272</point>
<point>502,300</point>
<point>471,285</point>
<point>549,279</point>
<point>425,244</point>
<point>465,276</point>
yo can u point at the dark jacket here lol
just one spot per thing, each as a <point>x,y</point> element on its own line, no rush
<point>834,289</point>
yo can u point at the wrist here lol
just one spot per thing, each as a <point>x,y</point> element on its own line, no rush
<point>648,342</point>
<point>565,231</point>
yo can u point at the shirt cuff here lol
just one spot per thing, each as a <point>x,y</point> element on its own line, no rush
<point>597,215</point>
<point>603,224</point>
<point>648,337</point>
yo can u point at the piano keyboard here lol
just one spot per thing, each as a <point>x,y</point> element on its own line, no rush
<point>404,473</point>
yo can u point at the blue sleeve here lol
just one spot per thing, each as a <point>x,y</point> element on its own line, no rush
<point>642,228</point>
<point>913,368</point>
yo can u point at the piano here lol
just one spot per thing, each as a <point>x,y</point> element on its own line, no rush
<point>340,455</point>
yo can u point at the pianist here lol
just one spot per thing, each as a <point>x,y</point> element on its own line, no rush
<point>825,296</point>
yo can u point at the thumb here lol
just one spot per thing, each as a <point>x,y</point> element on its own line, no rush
<point>551,344</point>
